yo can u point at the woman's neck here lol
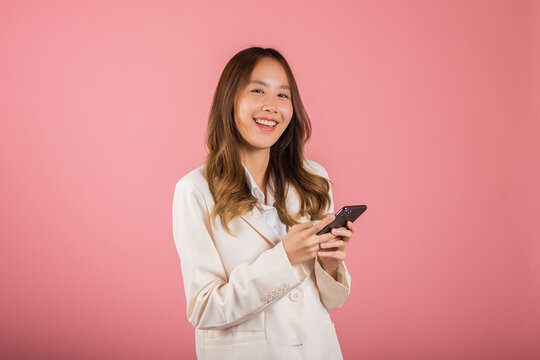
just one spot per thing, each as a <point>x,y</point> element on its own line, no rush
<point>257,162</point>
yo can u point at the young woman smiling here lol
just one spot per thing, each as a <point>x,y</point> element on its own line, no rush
<point>258,280</point>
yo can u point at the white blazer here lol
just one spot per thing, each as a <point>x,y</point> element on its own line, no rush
<point>244,298</point>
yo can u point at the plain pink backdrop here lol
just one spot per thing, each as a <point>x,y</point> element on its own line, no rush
<point>426,111</point>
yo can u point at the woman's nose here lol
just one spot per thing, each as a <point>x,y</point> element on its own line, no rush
<point>269,105</point>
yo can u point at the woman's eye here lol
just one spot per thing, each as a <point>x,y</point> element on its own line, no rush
<point>255,90</point>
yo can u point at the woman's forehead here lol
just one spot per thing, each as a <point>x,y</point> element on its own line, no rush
<point>269,71</point>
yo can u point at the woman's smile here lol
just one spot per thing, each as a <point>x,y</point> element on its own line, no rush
<point>265,125</point>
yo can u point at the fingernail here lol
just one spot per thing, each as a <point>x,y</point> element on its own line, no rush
<point>323,245</point>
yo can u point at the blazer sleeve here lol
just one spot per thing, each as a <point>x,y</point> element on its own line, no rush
<point>215,300</point>
<point>332,293</point>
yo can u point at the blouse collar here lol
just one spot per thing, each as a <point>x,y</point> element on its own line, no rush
<point>256,191</point>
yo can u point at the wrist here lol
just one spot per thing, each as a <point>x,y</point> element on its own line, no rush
<point>332,270</point>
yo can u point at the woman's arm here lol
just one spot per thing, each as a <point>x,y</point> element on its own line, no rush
<point>333,292</point>
<point>215,301</point>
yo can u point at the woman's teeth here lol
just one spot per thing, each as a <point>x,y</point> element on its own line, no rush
<point>265,122</point>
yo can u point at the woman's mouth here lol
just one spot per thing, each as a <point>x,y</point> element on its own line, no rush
<point>266,125</point>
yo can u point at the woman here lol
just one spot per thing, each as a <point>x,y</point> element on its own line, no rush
<point>258,280</point>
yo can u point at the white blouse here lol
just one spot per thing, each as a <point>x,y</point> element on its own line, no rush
<point>269,211</point>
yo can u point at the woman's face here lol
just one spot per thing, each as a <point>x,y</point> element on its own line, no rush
<point>267,99</point>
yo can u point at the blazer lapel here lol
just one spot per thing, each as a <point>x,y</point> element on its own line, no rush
<point>256,220</point>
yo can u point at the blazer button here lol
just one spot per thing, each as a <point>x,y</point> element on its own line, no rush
<point>296,295</point>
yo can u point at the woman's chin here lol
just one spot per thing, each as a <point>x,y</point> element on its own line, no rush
<point>260,145</point>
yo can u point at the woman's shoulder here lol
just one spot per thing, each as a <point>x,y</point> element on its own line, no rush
<point>193,181</point>
<point>316,168</point>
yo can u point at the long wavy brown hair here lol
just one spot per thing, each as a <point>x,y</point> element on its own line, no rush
<point>223,168</point>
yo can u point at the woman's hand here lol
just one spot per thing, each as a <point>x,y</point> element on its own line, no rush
<point>333,252</point>
<point>302,242</point>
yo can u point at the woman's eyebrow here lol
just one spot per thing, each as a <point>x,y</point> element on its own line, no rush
<point>265,84</point>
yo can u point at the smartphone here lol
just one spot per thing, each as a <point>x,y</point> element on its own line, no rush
<point>346,213</point>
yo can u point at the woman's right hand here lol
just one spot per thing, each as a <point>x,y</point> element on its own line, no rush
<point>302,242</point>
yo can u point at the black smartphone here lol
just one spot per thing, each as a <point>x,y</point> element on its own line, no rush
<point>346,213</point>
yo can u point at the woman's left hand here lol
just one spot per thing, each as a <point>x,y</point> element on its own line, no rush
<point>333,252</point>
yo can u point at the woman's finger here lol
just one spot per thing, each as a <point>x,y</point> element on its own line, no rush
<point>351,226</point>
<point>320,225</point>
<point>342,232</point>
<point>301,226</point>
<point>323,238</point>
<point>332,243</point>
<point>338,255</point>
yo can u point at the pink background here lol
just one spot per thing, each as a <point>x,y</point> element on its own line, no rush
<point>426,111</point>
